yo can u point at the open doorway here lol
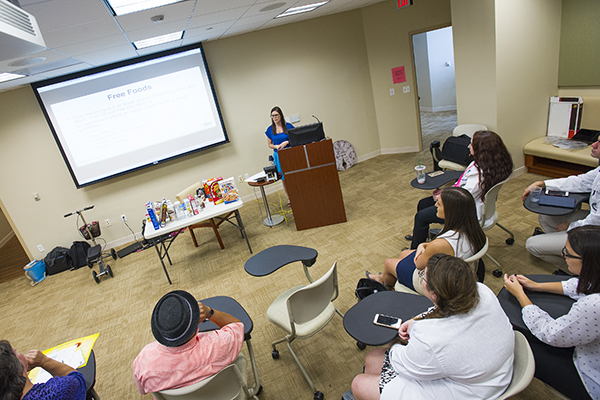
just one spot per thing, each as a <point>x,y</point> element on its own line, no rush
<point>433,53</point>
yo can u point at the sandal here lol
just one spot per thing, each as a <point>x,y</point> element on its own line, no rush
<point>367,273</point>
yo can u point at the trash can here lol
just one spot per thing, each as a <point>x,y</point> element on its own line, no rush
<point>35,271</point>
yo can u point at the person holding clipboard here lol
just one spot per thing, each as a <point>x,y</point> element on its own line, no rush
<point>277,139</point>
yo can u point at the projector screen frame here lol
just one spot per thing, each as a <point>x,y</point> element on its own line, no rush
<point>211,94</point>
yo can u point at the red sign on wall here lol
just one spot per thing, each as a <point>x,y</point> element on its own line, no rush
<point>398,74</point>
<point>404,3</point>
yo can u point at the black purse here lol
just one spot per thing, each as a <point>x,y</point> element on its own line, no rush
<point>367,287</point>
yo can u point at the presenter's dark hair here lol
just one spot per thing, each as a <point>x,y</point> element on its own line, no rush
<point>12,380</point>
<point>492,159</point>
<point>454,284</point>
<point>283,123</point>
<point>460,215</point>
<point>585,241</point>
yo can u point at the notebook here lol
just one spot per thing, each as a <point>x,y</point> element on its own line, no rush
<point>557,201</point>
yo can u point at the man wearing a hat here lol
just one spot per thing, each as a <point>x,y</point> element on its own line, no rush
<point>182,356</point>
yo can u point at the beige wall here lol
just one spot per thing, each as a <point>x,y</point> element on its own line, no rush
<point>5,227</point>
<point>507,55</point>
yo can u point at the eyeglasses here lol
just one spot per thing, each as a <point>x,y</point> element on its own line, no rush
<point>566,254</point>
<point>275,115</point>
<point>422,275</point>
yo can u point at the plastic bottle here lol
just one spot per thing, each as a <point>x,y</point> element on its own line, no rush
<point>163,213</point>
<point>178,210</point>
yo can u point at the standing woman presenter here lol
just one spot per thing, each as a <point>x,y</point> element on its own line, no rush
<point>277,139</point>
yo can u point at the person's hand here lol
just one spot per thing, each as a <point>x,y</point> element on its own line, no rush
<point>403,331</point>
<point>420,250</point>
<point>204,311</point>
<point>35,358</point>
<point>563,227</point>
<point>528,189</point>
<point>436,194</point>
<point>527,283</point>
<point>512,284</point>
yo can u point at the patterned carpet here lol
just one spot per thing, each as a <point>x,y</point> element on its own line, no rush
<point>380,206</point>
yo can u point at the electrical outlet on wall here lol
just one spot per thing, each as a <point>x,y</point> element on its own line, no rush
<point>124,218</point>
<point>107,222</point>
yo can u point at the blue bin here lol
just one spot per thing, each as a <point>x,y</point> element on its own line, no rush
<point>35,271</point>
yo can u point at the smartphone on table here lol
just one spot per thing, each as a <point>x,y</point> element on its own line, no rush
<point>387,321</point>
<point>558,193</point>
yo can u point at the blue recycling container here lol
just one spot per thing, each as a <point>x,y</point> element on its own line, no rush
<point>35,271</point>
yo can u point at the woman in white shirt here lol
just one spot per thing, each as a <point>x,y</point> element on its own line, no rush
<point>491,164</point>
<point>461,237</point>
<point>462,348</point>
<point>578,330</point>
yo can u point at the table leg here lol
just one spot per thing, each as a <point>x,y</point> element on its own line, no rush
<point>238,217</point>
<point>156,242</point>
<point>269,221</point>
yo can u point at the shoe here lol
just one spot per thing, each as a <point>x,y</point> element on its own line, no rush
<point>408,237</point>
<point>348,395</point>
<point>367,273</point>
<point>289,204</point>
<point>538,231</point>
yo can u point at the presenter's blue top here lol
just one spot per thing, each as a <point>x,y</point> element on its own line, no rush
<point>280,137</point>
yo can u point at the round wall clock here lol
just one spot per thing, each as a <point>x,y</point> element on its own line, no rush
<point>345,156</point>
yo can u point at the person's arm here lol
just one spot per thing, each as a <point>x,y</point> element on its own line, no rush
<point>541,184</point>
<point>513,286</point>
<point>270,144</point>
<point>548,287</point>
<point>437,246</point>
<point>218,318</point>
<point>404,330</point>
<point>36,358</point>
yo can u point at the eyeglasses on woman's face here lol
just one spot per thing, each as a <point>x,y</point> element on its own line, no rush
<point>565,254</point>
<point>275,115</point>
<point>422,275</point>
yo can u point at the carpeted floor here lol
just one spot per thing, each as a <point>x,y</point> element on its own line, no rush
<point>380,205</point>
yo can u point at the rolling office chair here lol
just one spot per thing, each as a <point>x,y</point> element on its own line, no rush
<point>230,383</point>
<point>436,153</point>
<point>523,367</point>
<point>303,311</point>
<point>490,219</point>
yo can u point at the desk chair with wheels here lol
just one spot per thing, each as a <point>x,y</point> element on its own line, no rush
<point>211,223</point>
<point>523,367</point>
<point>490,219</point>
<point>228,384</point>
<point>436,153</point>
<point>303,311</point>
<point>473,261</point>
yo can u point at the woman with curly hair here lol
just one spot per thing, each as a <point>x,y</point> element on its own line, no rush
<point>461,348</point>
<point>491,164</point>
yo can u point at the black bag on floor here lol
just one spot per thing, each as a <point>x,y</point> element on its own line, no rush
<point>57,260</point>
<point>367,287</point>
<point>456,149</point>
<point>78,254</point>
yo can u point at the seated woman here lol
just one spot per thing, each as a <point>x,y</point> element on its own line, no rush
<point>491,164</point>
<point>461,237</point>
<point>570,363</point>
<point>461,348</point>
<point>67,384</point>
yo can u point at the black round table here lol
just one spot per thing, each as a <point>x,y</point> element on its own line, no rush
<point>358,321</point>
<point>551,210</point>
<point>436,181</point>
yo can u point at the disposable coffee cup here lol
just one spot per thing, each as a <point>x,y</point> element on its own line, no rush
<point>420,169</point>
<point>535,194</point>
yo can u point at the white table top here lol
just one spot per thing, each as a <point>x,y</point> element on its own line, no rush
<point>209,212</point>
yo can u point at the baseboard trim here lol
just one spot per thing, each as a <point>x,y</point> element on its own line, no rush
<point>6,238</point>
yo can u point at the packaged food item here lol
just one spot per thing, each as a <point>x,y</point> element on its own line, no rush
<point>215,190</point>
<point>206,187</point>
<point>193,206</point>
<point>229,190</point>
<point>152,215</point>
<point>171,211</point>
<point>163,213</point>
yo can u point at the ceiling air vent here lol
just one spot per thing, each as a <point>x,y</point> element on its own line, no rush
<point>19,32</point>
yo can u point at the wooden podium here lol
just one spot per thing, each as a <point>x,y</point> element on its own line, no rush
<point>313,185</point>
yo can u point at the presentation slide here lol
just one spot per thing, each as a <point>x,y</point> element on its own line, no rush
<point>127,117</point>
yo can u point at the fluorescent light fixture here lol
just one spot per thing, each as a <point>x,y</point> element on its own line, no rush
<point>301,9</point>
<point>7,76</point>
<point>122,7</point>
<point>169,37</point>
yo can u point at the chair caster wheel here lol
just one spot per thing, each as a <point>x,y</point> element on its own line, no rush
<point>113,254</point>
<point>275,354</point>
<point>497,273</point>
<point>259,391</point>
<point>319,396</point>
<point>510,241</point>
<point>110,273</point>
<point>361,345</point>
<point>95,276</point>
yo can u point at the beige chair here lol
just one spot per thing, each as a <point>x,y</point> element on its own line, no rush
<point>490,219</point>
<point>211,223</point>
<point>466,129</point>
<point>303,311</point>
<point>228,384</point>
<point>523,367</point>
<point>417,281</point>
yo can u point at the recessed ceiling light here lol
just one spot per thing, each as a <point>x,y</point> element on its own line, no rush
<point>27,61</point>
<point>272,7</point>
<point>122,7</point>
<point>7,76</point>
<point>301,9</point>
<point>169,37</point>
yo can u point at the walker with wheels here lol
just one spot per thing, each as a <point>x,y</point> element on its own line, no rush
<point>94,253</point>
